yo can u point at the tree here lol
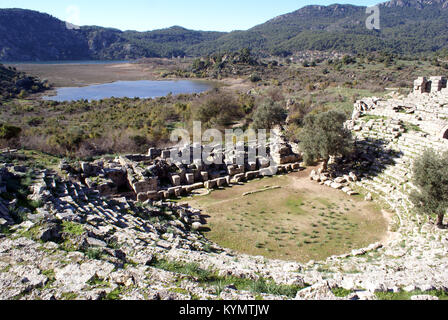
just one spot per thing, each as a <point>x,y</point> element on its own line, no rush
<point>198,65</point>
<point>430,176</point>
<point>246,56</point>
<point>324,135</point>
<point>219,109</point>
<point>268,115</point>
<point>255,77</point>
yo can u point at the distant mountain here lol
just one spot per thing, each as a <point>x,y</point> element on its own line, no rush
<point>27,35</point>
<point>418,4</point>
<point>407,26</point>
<point>30,35</point>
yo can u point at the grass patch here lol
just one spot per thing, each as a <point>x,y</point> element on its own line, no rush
<point>51,277</point>
<point>373,117</point>
<point>409,127</point>
<point>72,228</point>
<point>97,282</point>
<point>290,223</point>
<point>114,294</point>
<point>5,230</point>
<point>211,278</point>
<point>94,254</point>
<point>403,295</point>
<point>341,292</point>
<point>69,296</point>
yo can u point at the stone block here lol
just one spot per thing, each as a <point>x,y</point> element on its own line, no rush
<point>190,178</point>
<point>238,178</point>
<point>204,176</point>
<point>252,166</point>
<point>175,180</point>
<point>211,184</point>
<point>178,191</point>
<point>268,172</point>
<point>252,175</point>
<point>198,185</point>
<point>150,184</point>
<point>165,154</point>
<point>340,180</point>
<point>221,182</point>
<point>154,153</point>
<point>142,197</point>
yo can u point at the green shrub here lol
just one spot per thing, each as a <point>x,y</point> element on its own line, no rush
<point>72,228</point>
<point>9,132</point>
<point>255,78</point>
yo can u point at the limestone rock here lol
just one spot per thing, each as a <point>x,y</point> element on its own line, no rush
<point>424,297</point>
<point>319,291</point>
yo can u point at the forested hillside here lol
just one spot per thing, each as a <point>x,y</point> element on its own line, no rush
<point>407,27</point>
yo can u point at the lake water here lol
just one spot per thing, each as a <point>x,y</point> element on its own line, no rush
<point>132,89</point>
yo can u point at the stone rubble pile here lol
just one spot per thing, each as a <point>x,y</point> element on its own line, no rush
<point>339,183</point>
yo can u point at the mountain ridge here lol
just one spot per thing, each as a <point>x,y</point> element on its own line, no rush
<point>407,26</point>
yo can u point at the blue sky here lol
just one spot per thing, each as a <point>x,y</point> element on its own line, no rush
<point>143,15</point>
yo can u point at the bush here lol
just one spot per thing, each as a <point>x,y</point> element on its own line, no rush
<point>139,141</point>
<point>268,115</point>
<point>255,78</point>
<point>348,60</point>
<point>9,132</point>
<point>219,110</point>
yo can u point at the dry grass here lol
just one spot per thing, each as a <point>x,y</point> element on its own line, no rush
<point>78,75</point>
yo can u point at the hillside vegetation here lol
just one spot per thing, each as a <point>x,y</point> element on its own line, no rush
<point>17,84</point>
<point>267,91</point>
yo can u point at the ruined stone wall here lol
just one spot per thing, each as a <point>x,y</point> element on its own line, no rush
<point>163,173</point>
<point>425,107</point>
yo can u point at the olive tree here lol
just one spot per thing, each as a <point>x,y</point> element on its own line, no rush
<point>324,135</point>
<point>268,115</point>
<point>430,176</point>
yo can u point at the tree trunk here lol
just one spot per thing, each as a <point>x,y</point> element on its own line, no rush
<point>440,220</point>
<point>325,165</point>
